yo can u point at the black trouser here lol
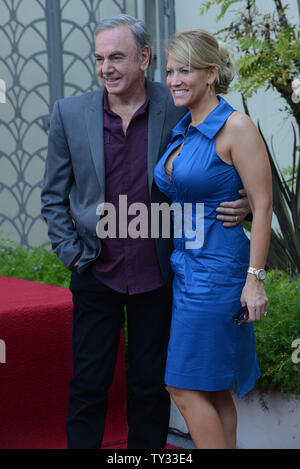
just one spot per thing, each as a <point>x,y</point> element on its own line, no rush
<point>97,320</point>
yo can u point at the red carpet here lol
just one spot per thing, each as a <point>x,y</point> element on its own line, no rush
<point>36,326</point>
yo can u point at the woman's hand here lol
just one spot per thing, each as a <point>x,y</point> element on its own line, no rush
<point>254,296</point>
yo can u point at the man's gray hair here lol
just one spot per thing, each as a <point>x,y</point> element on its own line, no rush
<point>137,27</point>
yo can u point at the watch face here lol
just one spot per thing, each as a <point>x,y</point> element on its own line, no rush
<point>261,274</point>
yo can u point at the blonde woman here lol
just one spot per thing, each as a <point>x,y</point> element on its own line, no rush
<point>214,152</point>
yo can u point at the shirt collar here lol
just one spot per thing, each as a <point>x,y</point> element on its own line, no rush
<point>141,110</point>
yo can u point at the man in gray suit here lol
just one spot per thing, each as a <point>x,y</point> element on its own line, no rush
<point>101,145</point>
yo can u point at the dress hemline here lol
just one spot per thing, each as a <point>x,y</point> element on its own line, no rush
<point>230,382</point>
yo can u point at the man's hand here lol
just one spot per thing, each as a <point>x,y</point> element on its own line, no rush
<point>231,213</point>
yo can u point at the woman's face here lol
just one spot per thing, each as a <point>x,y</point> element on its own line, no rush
<point>188,85</point>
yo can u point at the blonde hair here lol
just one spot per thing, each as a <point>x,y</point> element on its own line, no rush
<point>198,49</point>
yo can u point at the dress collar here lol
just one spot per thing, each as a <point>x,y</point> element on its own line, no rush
<point>212,123</point>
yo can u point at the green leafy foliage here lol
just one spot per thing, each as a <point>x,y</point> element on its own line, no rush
<point>268,64</point>
<point>38,264</point>
<point>284,252</point>
<point>268,47</point>
<point>225,4</point>
<point>275,334</point>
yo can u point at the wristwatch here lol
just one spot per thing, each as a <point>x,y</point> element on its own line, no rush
<point>259,273</point>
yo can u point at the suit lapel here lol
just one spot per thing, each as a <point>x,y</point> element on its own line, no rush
<point>155,127</point>
<point>94,122</point>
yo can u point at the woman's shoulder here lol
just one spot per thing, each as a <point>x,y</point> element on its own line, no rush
<point>238,125</point>
<point>238,121</point>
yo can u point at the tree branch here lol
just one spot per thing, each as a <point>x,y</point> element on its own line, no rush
<point>281,13</point>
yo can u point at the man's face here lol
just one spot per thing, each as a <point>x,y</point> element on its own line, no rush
<point>118,66</point>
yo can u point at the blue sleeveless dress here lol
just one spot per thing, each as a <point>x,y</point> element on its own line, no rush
<point>207,350</point>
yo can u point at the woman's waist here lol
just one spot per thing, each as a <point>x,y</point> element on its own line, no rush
<point>186,263</point>
<point>206,232</point>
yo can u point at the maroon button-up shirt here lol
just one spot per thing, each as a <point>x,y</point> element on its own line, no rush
<point>127,265</point>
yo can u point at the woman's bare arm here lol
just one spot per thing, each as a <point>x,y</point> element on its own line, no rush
<point>250,158</point>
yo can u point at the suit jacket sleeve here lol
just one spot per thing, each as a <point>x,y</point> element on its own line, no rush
<point>58,180</point>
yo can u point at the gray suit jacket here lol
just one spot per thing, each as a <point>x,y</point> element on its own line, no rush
<point>74,181</point>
